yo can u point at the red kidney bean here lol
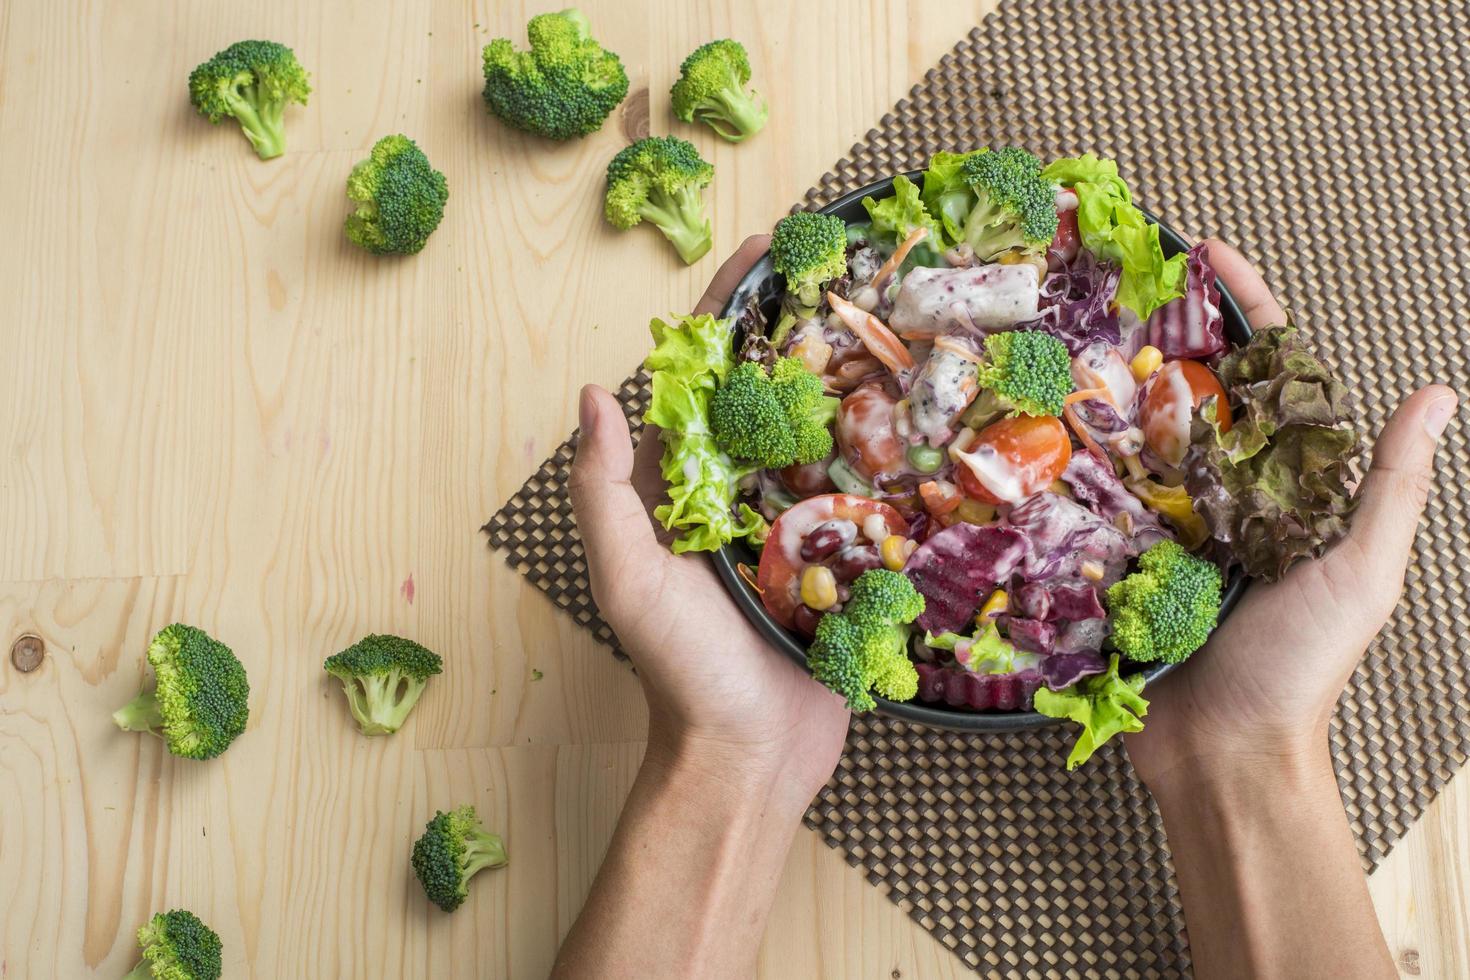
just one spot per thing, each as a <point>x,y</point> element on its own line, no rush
<point>851,562</point>
<point>828,538</point>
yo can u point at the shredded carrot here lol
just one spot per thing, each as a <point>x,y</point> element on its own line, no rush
<point>748,577</point>
<point>1087,393</point>
<point>939,499</point>
<point>876,337</point>
<point>1076,423</point>
<point>896,259</point>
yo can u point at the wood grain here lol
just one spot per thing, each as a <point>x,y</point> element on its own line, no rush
<point>214,410</point>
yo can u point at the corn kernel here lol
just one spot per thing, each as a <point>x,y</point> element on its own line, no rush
<point>973,511</point>
<point>993,607</point>
<point>892,552</point>
<point>1145,363</point>
<point>819,587</point>
<point>1092,570</point>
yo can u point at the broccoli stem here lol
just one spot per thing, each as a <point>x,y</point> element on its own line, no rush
<point>142,714</point>
<point>373,700</point>
<point>482,850</point>
<point>263,124</point>
<point>732,114</point>
<point>140,972</point>
<point>681,218</point>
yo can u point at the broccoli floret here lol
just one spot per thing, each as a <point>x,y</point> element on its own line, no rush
<point>1166,609</point>
<point>177,946</point>
<point>563,88</point>
<point>1015,207</point>
<point>776,420</point>
<point>659,179</point>
<point>251,82</point>
<point>1024,372</point>
<point>383,677</point>
<point>198,705</point>
<point>711,89</point>
<point>453,849</point>
<point>399,196</point>
<point>810,250</point>
<point>865,646</point>
<point>882,597</point>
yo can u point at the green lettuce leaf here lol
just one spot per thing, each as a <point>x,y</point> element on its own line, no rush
<point>1274,489</point>
<point>688,361</point>
<point>1104,705</point>
<point>894,217</point>
<point>1113,228</point>
<point>987,652</point>
<point>946,195</point>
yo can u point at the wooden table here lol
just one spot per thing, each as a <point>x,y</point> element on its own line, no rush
<point>217,411</point>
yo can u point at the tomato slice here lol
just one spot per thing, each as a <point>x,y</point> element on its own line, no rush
<point>1017,458</point>
<point>779,575</point>
<point>1174,392</point>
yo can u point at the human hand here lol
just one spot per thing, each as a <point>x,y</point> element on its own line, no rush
<point>714,687</point>
<point>1266,683</point>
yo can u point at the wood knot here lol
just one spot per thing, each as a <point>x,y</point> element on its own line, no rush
<point>27,652</point>
<point>635,116</point>
<point>1409,962</point>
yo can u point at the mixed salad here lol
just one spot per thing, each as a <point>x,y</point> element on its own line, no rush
<point>995,449</point>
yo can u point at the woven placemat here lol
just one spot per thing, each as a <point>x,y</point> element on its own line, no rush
<point>1326,138</point>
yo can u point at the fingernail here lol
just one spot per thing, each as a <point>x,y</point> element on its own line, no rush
<point>1438,415</point>
<point>587,410</point>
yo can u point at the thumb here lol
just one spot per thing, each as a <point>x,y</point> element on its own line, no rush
<point>1398,482</point>
<point>610,515</point>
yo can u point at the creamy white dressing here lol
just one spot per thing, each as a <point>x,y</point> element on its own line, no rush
<point>993,296</point>
<point>944,388</point>
<point>1104,367</point>
<point>1001,476</point>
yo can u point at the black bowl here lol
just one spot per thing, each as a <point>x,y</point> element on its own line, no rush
<point>766,285</point>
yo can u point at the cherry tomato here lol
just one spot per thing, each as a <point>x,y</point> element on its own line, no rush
<point>1065,243</point>
<point>865,432</point>
<point>1019,456</point>
<point>779,575</point>
<point>1174,391</point>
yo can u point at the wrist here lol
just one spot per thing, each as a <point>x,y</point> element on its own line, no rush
<point>1236,773</point>
<point>724,774</point>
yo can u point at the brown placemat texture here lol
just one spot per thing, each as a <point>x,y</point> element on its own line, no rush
<point>1326,138</point>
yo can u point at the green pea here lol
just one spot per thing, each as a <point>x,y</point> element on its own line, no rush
<point>925,458</point>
